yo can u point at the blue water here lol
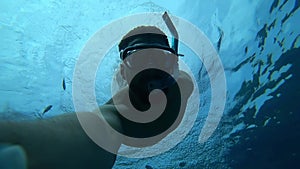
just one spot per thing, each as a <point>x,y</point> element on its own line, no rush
<point>258,44</point>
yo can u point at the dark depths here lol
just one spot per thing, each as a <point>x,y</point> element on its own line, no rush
<point>275,145</point>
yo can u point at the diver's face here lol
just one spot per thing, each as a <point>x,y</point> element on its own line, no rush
<point>148,69</point>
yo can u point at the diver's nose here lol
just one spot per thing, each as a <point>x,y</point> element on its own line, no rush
<point>154,84</point>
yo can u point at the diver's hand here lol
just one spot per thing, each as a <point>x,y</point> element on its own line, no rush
<point>12,157</point>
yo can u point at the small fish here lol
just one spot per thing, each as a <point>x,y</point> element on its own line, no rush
<point>246,49</point>
<point>267,121</point>
<point>64,84</point>
<point>46,109</point>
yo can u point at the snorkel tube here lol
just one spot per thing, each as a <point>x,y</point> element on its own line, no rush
<point>173,31</point>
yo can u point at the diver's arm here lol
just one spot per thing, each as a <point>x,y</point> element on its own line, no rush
<point>59,142</point>
<point>15,131</point>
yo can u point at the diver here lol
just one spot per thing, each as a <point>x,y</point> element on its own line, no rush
<point>61,143</point>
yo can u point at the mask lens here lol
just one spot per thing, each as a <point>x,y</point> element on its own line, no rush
<point>155,57</point>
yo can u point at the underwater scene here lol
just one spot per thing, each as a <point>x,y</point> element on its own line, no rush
<point>236,76</point>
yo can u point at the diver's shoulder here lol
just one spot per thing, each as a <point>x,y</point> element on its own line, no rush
<point>184,75</point>
<point>186,81</point>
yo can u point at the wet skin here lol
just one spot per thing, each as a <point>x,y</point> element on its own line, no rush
<point>60,142</point>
